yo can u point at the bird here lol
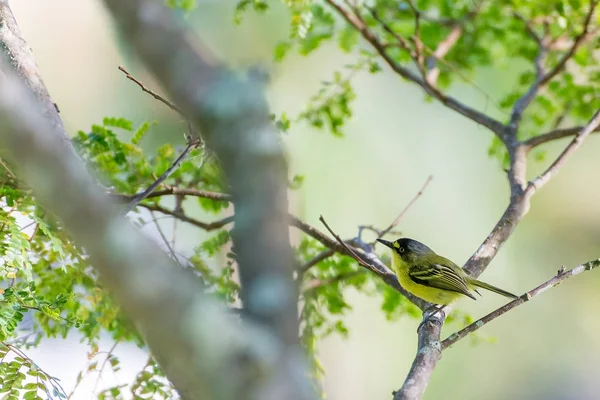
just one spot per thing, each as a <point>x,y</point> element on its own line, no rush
<point>432,277</point>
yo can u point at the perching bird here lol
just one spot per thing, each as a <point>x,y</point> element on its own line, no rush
<point>432,277</point>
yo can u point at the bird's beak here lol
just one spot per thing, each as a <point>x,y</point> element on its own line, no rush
<point>386,243</point>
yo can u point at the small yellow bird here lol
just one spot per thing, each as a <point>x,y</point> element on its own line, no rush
<point>432,277</point>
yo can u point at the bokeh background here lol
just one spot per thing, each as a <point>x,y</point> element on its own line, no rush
<point>547,349</point>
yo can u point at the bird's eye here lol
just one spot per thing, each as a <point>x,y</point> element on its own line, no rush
<point>401,249</point>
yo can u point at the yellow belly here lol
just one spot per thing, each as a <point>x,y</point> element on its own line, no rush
<point>431,295</point>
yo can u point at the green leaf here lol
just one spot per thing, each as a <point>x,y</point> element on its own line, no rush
<point>118,123</point>
<point>348,38</point>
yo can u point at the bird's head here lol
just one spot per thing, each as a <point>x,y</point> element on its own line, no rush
<point>407,249</point>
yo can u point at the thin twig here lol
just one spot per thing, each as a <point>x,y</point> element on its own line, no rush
<point>152,93</point>
<point>316,284</point>
<point>174,190</point>
<point>141,196</point>
<point>560,277</point>
<point>325,254</point>
<point>103,365</point>
<point>348,250</point>
<point>542,179</point>
<point>441,50</point>
<point>541,77</point>
<point>408,206</point>
<point>402,42</point>
<point>480,118</point>
<point>164,238</point>
<point>10,173</point>
<point>210,226</point>
<point>555,134</point>
<point>578,41</point>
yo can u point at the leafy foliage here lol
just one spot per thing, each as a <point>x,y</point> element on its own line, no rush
<point>184,5</point>
<point>48,279</point>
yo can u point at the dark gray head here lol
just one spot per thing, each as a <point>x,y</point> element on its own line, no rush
<point>407,248</point>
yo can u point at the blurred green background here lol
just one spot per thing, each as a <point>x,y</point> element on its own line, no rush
<point>547,349</point>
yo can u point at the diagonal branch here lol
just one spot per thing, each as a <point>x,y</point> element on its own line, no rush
<point>373,264</point>
<point>139,275</point>
<point>553,135</point>
<point>429,350</point>
<point>556,280</point>
<point>325,254</point>
<point>408,206</point>
<point>441,50</point>
<point>543,78</point>
<point>478,117</point>
<point>21,61</point>
<point>552,170</point>
<point>232,114</point>
<point>135,200</point>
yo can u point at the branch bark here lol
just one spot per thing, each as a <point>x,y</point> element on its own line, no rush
<point>543,78</point>
<point>555,134</point>
<point>556,280</point>
<point>476,116</point>
<point>21,61</point>
<point>166,302</point>
<point>233,117</point>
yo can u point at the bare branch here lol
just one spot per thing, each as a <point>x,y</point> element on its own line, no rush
<point>371,262</point>
<point>325,254</point>
<point>210,226</point>
<point>316,284</point>
<point>347,249</point>
<point>20,59</point>
<point>480,118</point>
<point>552,170</point>
<point>554,135</point>
<point>152,93</point>
<point>174,190</point>
<point>408,206</point>
<point>560,277</point>
<point>442,49</point>
<point>428,354</point>
<point>135,200</point>
<point>164,238</point>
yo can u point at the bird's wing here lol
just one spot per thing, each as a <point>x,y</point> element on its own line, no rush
<point>440,276</point>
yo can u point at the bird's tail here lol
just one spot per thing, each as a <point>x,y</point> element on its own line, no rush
<point>491,288</point>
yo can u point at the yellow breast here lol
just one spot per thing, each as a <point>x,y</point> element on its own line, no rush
<point>429,294</point>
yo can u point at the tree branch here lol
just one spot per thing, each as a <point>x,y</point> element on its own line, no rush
<point>429,351</point>
<point>555,134</point>
<point>233,116</point>
<point>552,170</point>
<point>408,206</point>
<point>543,78</point>
<point>20,60</point>
<point>135,200</point>
<point>478,117</point>
<point>371,262</point>
<point>137,273</point>
<point>560,277</point>
<point>428,354</point>
<point>325,254</point>
<point>210,226</point>
<point>174,190</point>
<point>442,49</point>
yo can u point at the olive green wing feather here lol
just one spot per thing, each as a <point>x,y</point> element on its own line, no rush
<point>441,276</point>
